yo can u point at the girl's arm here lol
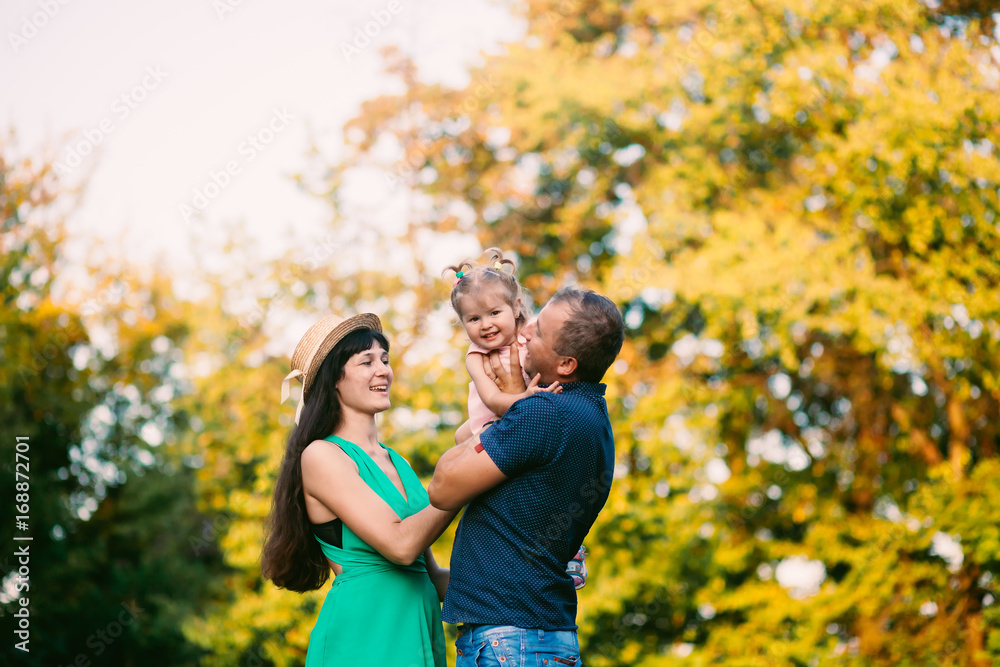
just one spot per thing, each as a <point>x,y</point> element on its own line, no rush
<point>497,401</point>
<point>440,576</point>
<point>330,476</point>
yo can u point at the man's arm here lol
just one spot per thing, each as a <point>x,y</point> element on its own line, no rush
<point>462,473</point>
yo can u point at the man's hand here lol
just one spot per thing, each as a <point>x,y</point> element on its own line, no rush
<point>512,382</point>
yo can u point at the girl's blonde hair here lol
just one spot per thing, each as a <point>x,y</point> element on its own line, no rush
<point>493,274</point>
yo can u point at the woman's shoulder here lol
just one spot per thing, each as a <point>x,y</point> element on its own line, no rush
<point>326,454</point>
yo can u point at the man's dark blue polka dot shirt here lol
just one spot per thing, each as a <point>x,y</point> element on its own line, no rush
<point>508,565</point>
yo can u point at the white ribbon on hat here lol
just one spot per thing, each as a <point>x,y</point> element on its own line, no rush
<point>286,390</point>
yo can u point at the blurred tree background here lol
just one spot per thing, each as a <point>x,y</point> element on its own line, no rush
<point>90,384</point>
<point>796,206</point>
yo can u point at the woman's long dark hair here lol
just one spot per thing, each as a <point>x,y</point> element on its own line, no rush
<point>291,557</point>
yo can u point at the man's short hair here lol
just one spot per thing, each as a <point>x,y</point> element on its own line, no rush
<point>593,334</point>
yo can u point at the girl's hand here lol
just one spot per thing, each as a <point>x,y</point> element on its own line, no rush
<point>533,388</point>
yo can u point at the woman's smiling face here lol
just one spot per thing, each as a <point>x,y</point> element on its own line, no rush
<point>364,387</point>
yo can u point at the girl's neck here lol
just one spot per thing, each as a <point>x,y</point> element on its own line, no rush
<point>517,332</point>
<point>360,429</point>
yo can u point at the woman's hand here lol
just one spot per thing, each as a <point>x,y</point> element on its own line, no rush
<point>440,576</point>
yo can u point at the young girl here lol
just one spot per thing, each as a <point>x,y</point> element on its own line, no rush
<point>487,300</point>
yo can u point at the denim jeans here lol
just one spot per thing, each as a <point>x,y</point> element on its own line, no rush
<point>508,646</point>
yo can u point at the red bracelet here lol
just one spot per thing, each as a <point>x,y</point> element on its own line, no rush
<point>479,447</point>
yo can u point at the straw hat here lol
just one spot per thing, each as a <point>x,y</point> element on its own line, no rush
<point>316,343</point>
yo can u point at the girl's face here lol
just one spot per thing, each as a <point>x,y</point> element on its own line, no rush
<point>365,385</point>
<point>489,319</point>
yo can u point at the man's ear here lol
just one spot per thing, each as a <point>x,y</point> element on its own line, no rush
<point>566,367</point>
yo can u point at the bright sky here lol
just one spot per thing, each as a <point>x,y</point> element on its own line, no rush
<point>171,92</point>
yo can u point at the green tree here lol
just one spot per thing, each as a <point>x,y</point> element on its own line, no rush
<point>795,204</point>
<point>111,576</point>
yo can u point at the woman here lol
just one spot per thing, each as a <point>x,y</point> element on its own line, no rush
<point>343,501</point>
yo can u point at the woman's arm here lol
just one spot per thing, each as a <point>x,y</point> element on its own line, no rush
<point>330,476</point>
<point>440,576</point>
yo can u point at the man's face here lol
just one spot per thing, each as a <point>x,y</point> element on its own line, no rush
<point>542,335</point>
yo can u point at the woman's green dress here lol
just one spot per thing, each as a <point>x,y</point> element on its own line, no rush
<point>377,612</point>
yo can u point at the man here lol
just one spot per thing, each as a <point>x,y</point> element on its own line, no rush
<point>534,483</point>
